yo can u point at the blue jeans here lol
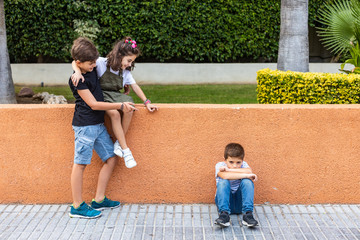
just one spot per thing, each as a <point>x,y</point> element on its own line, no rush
<point>92,137</point>
<point>240,201</point>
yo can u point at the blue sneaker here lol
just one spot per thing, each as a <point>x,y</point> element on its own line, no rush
<point>84,211</point>
<point>105,203</point>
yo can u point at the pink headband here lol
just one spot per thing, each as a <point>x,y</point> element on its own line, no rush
<point>133,43</point>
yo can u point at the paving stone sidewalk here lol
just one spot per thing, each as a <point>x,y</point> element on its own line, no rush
<point>194,221</point>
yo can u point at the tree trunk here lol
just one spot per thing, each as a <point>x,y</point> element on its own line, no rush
<point>7,91</point>
<point>294,41</point>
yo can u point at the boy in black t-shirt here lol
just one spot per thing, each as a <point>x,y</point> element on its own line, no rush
<point>90,132</point>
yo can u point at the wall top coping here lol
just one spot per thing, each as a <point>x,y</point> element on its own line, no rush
<point>201,106</point>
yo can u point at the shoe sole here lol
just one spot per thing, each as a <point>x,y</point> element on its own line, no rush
<point>103,208</point>
<point>81,216</point>
<point>249,225</point>
<point>130,166</point>
<point>223,224</point>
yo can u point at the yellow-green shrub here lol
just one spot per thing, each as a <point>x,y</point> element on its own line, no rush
<point>274,86</point>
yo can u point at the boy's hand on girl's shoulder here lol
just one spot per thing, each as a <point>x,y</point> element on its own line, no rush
<point>76,77</point>
<point>151,107</point>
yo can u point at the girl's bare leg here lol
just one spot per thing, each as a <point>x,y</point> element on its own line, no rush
<point>126,120</point>
<point>117,128</point>
<point>120,131</point>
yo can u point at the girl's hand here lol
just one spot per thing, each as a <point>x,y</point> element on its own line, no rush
<point>76,77</point>
<point>151,107</point>
<point>128,107</point>
<point>126,89</point>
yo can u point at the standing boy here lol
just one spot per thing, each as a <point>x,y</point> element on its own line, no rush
<point>90,132</point>
<point>234,187</point>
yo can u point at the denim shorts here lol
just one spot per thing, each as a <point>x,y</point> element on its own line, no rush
<point>92,137</point>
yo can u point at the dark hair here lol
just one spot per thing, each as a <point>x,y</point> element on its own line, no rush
<point>234,150</point>
<point>121,49</point>
<point>83,49</point>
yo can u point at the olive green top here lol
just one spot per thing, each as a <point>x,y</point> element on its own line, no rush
<point>111,84</point>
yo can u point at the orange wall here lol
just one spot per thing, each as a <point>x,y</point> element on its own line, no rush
<point>301,153</point>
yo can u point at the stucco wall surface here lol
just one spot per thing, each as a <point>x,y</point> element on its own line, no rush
<point>301,153</point>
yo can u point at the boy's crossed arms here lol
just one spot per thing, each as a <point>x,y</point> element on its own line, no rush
<point>236,173</point>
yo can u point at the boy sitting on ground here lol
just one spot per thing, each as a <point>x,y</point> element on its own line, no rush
<point>234,187</point>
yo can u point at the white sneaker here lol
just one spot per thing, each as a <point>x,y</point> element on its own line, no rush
<point>128,158</point>
<point>117,149</point>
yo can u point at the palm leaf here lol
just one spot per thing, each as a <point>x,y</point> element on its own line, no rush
<point>340,26</point>
<point>355,4</point>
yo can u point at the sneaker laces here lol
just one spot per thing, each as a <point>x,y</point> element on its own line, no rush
<point>89,208</point>
<point>224,215</point>
<point>250,216</point>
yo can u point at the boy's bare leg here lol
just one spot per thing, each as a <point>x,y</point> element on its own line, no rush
<point>115,118</point>
<point>76,183</point>
<point>126,120</point>
<point>104,177</point>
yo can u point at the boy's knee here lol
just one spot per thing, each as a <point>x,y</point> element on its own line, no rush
<point>223,183</point>
<point>247,183</point>
<point>80,167</point>
<point>112,160</point>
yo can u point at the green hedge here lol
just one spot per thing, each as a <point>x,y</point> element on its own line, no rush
<point>167,31</point>
<point>40,30</point>
<point>274,86</point>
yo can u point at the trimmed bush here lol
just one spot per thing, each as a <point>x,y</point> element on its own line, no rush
<point>41,31</point>
<point>167,31</point>
<point>274,86</point>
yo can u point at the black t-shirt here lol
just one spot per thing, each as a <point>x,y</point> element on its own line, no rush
<point>84,115</point>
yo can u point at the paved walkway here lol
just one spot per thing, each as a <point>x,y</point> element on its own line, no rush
<point>195,221</point>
